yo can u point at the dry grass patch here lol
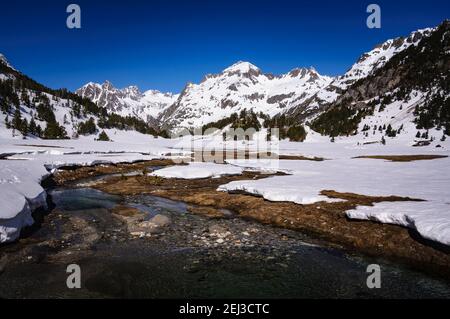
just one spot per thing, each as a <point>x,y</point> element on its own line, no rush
<point>403,158</point>
<point>73,174</point>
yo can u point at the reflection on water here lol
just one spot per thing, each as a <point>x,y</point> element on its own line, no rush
<point>83,198</point>
<point>154,205</point>
<point>75,199</point>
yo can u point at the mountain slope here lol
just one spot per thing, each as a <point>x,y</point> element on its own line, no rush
<point>366,65</point>
<point>413,86</point>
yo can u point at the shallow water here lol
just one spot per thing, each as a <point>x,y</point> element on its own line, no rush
<point>92,180</point>
<point>157,205</point>
<point>82,198</point>
<point>173,265</point>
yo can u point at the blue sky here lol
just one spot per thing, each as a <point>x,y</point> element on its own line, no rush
<point>163,44</point>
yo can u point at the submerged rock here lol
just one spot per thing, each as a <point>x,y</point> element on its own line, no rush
<point>161,220</point>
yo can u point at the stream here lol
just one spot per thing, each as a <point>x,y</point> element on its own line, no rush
<point>186,259</point>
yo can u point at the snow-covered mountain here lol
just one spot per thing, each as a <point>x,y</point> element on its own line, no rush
<point>406,92</point>
<point>238,87</point>
<point>30,109</point>
<point>378,57</point>
<point>129,101</point>
<point>366,65</point>
<point>301,94</point>
<point>386,78</point>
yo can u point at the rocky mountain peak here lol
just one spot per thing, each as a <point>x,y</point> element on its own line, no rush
<point>132,92</point>
<point>242,68</point>
<point>304,72</point>
<point>108,86</point>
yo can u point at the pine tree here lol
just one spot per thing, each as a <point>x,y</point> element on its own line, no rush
<point>38,130</point>
<point>103,137</point>
<point>443,138</point>
<point>54,131</point>
<point>7,123</point>
<point>383,140</point>
<point>88,127</point>
<point>17,120</point>
<point>24,127</point>
<point>25,99</point>
<point>32,127</point>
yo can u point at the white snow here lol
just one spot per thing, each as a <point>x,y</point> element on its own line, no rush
<point>426,180</point>
<point>198,170</point>
<point>20,194</point>
<point>431,220</point>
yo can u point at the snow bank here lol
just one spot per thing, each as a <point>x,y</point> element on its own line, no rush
<point>431,220</point>
<point>20,194</point>
<point>426,180</point>
<point>52,162</point>
<point>198,170</point>
<point>278,189</point>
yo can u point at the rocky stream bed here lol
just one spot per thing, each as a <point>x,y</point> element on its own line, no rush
<point>147,246</point>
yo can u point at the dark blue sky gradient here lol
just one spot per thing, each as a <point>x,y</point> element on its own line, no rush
<point>162,44</point>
